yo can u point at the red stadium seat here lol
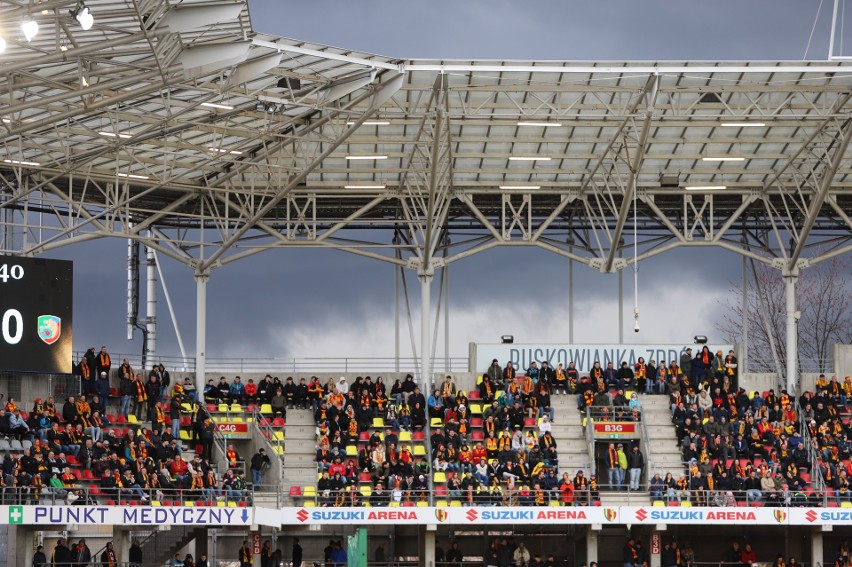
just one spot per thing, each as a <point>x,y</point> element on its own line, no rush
<point>476,422</point>
<point>473,395</point>
<point>418,436</point>
<point>364,477</point>
<point>296,491</point>
<point>252,408</point>
<point>477,435</point>
<point>242,504</point>
<point>119,419</point>
<point>110,502</point>
<point>408,504</point>
<point>111,417</point>
<point>265,422</point>
<point>278,422</point>
<point>364,436</point>
<point>87,474</point>
<point>72,460</point>
<point>113,392</point>
<point>529,422</point>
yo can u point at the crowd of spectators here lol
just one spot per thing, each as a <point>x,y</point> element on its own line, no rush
<point>825,413</point>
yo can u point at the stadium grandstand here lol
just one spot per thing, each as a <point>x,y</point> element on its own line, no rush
<point>178,128</point>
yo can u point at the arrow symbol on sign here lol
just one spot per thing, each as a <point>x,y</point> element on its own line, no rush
<point>245,515</point>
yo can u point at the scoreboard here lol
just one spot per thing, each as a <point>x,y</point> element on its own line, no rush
<point>35,315</point>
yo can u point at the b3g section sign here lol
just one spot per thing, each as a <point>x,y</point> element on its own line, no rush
<point>35,315</point>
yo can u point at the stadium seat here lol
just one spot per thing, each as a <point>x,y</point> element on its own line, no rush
<point>418,451</point>
<point>279,449</point>
<point>476,422</point>
<point>455,504</point>
<point>351,450</point>
<point>266,409</point>
<point>393,504</point>
<point>419,436</point>
<point>529,422</point>
<point>436,422</point>
<point>422,504</point>
<point>378,422</point>
<point>236,408</point>
<point>440,477</point>
<point>132,419</point>
<point>72,460</point>
<point>364,477</point>
<point>251,408</point>
<point>364,436</point>
<point>186,408</point>
<point>686,504</point>
<point>4,445</point>
<point>17,445</point>
<point>295,491</point>
<point>475,409</point>
<point>477,435</point>
<point>473,395</point>
<point>309,504</point>
<point>659,504</point>
<point>310,491</point>
<point>846,504</point>
<point>278,422</point>
<point>441,503</point>
<point>365,490</point>
<point>223,408</point>
<point>278,435</point>
<point>441,491</point>
<point>119,420</point>
<point>555,503</point>
<point>404,436</point>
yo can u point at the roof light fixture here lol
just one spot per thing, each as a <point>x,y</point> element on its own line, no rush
<point>363,186</point>
<point>529,158</point>
<point>217,105</point>
<point>540,124</point>
<point>29,27</point>
<point>519,187</point>
<point>2,45</point>
<point>132,176</point>
<point>355,158</point>
<point>20,162</point>
<point>114,135</point>
<point>743,124</point>
<point>370,123</point>
<point>722,158</point>
<point>223,151</point>
<point>83,16</point>
<point>706,187</point>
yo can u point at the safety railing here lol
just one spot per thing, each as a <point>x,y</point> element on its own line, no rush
<point>614,413</point>
<point>126,496</point>
<point>294,365</point>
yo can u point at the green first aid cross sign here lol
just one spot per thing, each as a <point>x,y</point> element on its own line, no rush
<point>16,514</point>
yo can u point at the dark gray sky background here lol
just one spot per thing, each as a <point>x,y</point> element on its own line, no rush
<point>321,303</point>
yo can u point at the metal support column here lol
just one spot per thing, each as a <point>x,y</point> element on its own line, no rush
<point>150,308</point>
<point>427,556</point>
<point>446,319</point>
<point>792,333</point>
<point>743,364</point>
<point>571,297</point>
<point>396,270</point>
<point>621,307</point>
<point>591,545</point>
<point>817,550</point>
<point>200,331</point>
<point>425,338</point>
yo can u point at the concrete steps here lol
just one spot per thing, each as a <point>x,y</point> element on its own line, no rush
<point>665,455</point>
<point>299,450</point>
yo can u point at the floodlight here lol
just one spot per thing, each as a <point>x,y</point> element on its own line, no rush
<point>2,45</point>
<point>30,28</point>
<point>507,339</point>
<point>700,339</point>
<point>84,17</point>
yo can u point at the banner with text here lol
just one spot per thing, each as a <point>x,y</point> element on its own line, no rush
<point>722,515</point>
<point>125,515</point>
<point>582,355</point>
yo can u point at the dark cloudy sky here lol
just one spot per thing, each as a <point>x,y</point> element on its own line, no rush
<point>321,303</point>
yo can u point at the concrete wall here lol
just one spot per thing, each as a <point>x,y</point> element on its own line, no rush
<point>842,355</point>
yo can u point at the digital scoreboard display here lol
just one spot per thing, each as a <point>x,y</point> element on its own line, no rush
<point>35,315</point>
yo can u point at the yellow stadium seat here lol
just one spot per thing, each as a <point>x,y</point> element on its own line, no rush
<point>393,504</point>
<point>232,504</point>
<point>309,504</point>
<point>441,503</point>
<point>499,394</point>
<point>309,491</point>
<point>189,503</point>
<point>236,419</point>
<point>186,408</point>
<point>659,504</point>
<point>155,503</point>
<point>220,504</point>
<point>365,490</point>
<point>250,420</point>
<point>279,435</point>
<point>686,504</point>
<point>436,422</point>
<point>846,504</point>
<point>475,409</point>
<point>132,419</point>
<point>351,450</point>
<point>422,504</point>
<point>440,477</point>
<point>184,435</point>
<point>279,449</point>
<point>223,408</point>
<point>237,408</point>
<point>628,393</point>
<point>378,422</point>
<point>455,504</point>
<point>404,436</point>
<point>478,380</point>
<point>555,503</point>
<point>419,451</point>
<point>266,409</point>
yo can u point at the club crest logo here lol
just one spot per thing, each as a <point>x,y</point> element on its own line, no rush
<point>441,515</point>
<point>610,514</point>
<point>49,328</point>
<point>780,516</point>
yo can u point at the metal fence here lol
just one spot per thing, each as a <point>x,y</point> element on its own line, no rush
<point>293,365</point>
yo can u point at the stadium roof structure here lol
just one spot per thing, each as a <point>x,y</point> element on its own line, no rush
<point>164,118</point>
<point>178,126</point>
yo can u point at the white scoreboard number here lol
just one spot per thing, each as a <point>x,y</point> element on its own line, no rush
<point>13,322</point>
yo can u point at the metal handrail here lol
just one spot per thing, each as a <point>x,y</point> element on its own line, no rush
<point>294,365</point>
